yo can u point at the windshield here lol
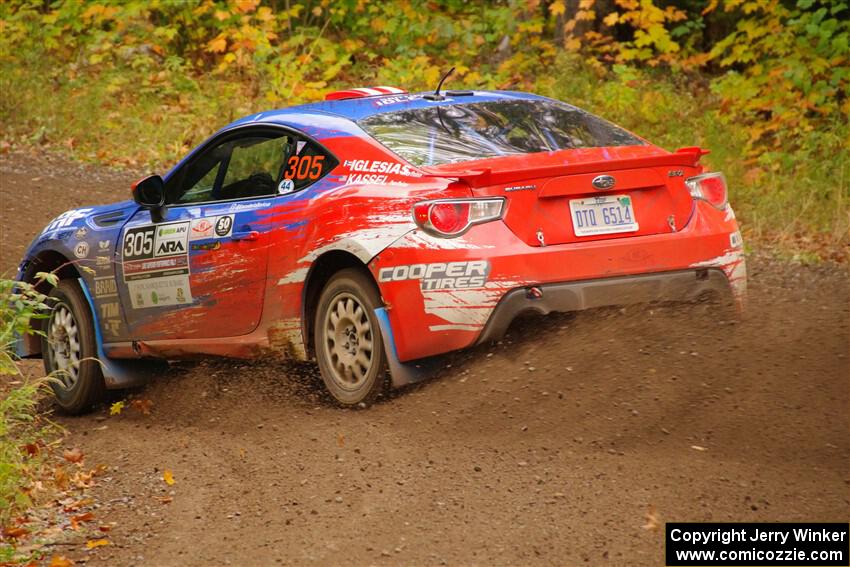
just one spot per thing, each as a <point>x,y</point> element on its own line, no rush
<point>462,132</point>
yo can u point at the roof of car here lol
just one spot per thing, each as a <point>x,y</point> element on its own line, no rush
<point>327,114</point>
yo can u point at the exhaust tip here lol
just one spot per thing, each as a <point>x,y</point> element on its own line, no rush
<point>534,293</point>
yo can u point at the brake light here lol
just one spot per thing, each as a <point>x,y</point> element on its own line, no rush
<point>710,187</point>
<point>448,218</point>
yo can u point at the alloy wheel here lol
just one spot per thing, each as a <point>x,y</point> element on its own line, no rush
<point>64,339</point>
<point>348,341</point>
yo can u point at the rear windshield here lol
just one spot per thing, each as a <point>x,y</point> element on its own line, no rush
<point>462,132</point>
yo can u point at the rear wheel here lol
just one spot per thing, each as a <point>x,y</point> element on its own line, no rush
<point>349,347</point>
<point>69,350</point>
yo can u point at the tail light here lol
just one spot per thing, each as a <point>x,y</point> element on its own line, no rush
<point>710,187</point>
<point>448,218</point>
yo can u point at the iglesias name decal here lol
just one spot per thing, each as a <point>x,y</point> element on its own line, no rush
<point>377,172</point>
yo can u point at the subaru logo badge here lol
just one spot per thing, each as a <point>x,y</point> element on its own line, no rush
<point>603,182</point>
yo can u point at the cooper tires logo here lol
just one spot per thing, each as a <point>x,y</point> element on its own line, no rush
<point>451,275</point>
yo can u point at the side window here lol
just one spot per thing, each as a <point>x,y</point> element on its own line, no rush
<point>253,167</point>
<point>256,165</point>
<point>202,190</point>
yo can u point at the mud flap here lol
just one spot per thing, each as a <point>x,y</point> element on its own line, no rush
<point>403,373</point>
<point>119,373</point>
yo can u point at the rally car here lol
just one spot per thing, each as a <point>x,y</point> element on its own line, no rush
<point>373,230</point>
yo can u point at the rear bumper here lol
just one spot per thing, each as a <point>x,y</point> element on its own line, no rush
<point>684,285</point>
<point>440,294</point>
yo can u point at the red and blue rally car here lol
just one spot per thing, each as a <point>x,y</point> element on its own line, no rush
<point>373,230</point>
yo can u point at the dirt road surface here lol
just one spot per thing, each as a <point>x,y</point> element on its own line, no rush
<point>564,444</point>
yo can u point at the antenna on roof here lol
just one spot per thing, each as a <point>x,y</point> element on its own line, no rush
<point>436,94</point>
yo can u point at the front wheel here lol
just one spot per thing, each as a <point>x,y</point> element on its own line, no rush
<point>69,350</point>
<point>348,342</point>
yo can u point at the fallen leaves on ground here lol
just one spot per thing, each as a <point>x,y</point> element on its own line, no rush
<point>74,455</point>
<point>76,505</point>
<point>652,521</point>
<point>84,479</point>
<point>31,449</point>
<point>60,478</point>
<point>79,518</point>
<point>58,508</point>
<point>168,477</point>
<point>15,532</point>
<point>142,406</point>
<point>93,543</point>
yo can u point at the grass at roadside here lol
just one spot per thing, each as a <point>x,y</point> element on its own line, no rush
<point>25,433</point>
<point>26,436</point>
<point>29,473</point>
<point>797,202</point>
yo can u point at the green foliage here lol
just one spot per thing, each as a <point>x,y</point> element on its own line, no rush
<point>20,303</point>
<point>24,432</point>
<point>789,71</point>
<point>763,83</point>
<point>22,440</point>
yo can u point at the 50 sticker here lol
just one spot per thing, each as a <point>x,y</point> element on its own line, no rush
<point>223,225</point>
<point>306,167</point>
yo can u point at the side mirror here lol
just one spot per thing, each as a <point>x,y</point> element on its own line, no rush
<point>149,193</point>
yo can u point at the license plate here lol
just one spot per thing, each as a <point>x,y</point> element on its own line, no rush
<point>603,215</point>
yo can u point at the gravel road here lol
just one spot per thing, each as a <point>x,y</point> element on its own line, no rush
<point>569,443</point>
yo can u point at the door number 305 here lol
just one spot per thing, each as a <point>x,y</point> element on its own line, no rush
<point>138,244</point>
<point>306,167</point>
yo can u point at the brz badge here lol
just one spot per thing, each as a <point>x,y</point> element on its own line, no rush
<point>603,182</point>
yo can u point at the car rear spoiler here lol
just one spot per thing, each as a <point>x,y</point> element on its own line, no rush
<point>687,157</point>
